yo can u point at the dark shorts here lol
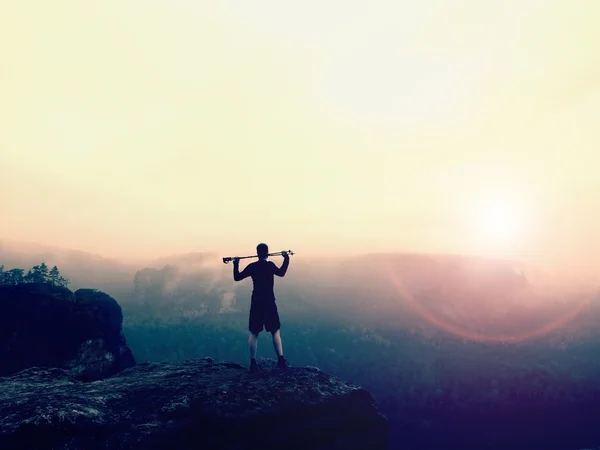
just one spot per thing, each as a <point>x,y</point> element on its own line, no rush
<point>263,314</point>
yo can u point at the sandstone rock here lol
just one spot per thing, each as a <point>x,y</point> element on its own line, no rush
<point>197,404</point>
<point>42,325</point>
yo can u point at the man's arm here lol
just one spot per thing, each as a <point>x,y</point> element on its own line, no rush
<point>237,276</point>
<point>280,271</point>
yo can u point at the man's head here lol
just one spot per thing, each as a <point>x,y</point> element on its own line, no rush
<point>262,250</point>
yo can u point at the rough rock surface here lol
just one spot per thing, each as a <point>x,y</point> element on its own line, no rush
<point>197,404</point>
<point>42,325</point>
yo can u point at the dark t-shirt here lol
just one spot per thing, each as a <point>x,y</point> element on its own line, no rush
<point>263,278</point>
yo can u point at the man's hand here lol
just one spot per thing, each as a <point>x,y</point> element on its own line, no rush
<point>236,260</point>
<point>285,254</point>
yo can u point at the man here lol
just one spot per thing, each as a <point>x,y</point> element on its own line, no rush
<point>263,310</point>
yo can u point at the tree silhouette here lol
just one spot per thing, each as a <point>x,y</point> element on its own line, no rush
<point>54,276</point>
<point>32,275</point>
<point>37,274</point>
<point>62,281</point>
<point>43,272</point>
<point>13,276</point>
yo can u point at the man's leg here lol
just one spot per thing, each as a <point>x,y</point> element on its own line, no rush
<point>255,326</point>
<point>273,326</point>
<point>253,345</point>
<point>277,344</point>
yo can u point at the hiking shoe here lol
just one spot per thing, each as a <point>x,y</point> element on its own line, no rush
<point>282,363</point>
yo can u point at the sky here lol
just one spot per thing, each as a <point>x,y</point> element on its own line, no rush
<point>138,129</point>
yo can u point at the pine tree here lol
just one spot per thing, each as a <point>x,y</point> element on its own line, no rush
<point>43,273</point>
<point>2,275</point>
<point>37,274</point>
<point>14,276</point>
<point>54,276</point>
<point>62,281</point>
<point>31,274</point>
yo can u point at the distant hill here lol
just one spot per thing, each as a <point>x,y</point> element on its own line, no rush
<point>83,269</point>
<point>481,294</point>
<point>462,294</point>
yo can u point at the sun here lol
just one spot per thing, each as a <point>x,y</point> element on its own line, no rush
<point>499,223</point>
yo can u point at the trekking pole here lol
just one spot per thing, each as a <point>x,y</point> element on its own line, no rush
<point>231,258</point>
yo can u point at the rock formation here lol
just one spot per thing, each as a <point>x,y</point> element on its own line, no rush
<point>197,404</point>
<point>42,325</point>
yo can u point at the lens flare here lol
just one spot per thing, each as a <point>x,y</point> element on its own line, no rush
<point>451,328</point>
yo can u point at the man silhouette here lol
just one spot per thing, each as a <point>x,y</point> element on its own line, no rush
<point>263,310</point>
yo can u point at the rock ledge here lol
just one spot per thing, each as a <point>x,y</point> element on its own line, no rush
<point>193,404</point>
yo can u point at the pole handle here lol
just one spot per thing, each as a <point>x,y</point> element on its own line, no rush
<point>228,259</point>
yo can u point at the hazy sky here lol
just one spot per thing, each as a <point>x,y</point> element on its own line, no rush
<point>143,128</point>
